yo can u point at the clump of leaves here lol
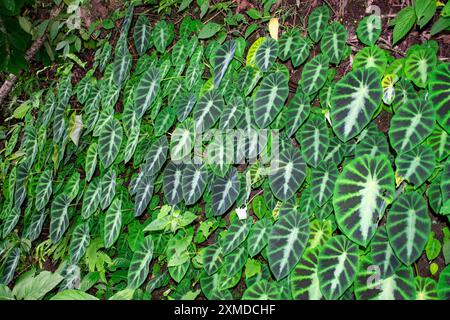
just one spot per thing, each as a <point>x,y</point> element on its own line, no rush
<point>132,201</point>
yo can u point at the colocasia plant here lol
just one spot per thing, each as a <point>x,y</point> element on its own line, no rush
<point>184,166</point>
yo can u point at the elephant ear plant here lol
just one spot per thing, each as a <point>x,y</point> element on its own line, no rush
<point>193,164</point>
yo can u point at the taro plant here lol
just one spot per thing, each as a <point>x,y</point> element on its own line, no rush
<point>184,165</point>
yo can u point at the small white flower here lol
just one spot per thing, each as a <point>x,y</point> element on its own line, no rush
<point>242,213</point>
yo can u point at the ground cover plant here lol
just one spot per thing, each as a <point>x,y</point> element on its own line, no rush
<point>241,158</point>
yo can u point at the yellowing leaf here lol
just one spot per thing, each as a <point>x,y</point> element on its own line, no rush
<point>76,125</point>
<point>388,88</point>
<point>250,61</point>
<point>273,28</point>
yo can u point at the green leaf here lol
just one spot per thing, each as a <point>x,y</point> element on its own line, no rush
<point>408,226</point>
<point>10,221</point>
<point>297,111</point>
<point>224,192</point>
<point>314,74</point>
<point>73,294</point>
<point>85,86</point>
<point>250,29</point>
<point>91,160</point>
<point>43,189</point>
<point>59,217</point>
<point>20,185</point>
<point>304,279</point>
<point>443,23</point>
<point>222,58</point>
<point>72,186</point>
<point>323,179</point>
<point>22,110</point>
<point>266,54</point>
<point>164,121</point>
<point>433,247</point>
<point>443,288</point>
<point>162,35</point>
<point>5,293</point>
<point>122,64</point>
<point>139,265</point>
<point>125,294</point>
<point>180,52</point>
<point>416,165</point>
<point>370,57</point>
<point>373,145</point>
<point>79,242</point>
<point>337,266</point>
<point>144,192</point>
<point>183,104</point>
<point>425,10</point>
<point>182,141</point>
<point>403,92</point>
<point>438,87</point>
<point>108,188</point>
<point>445,188</point>
<point>91,198</point>
<point>369,29</point>
<point>156,156</point>
<point>361,192</point>
<point>262,290</point>
<point>317,22</point>
<point>232,113</point>
<point>426,288</point>
<point>419,63</point>
<point>133,139</point>
<point>321,230</point>
<point>355,98</point>
<point>142,34</point>
<point>287,240</point>
<point>314,140</point>
<point>113,223</point>
<point>259,236</point>
<point>34,226</point>
<point>172,183</point>
<point>411,124</point>
<point>104,118</point>
<point>236,234</point>
<point>208,110</point>
<point>108,24</point>
<point>109,142</point>
<point>194,180</point>
<point>208,30</point>
<point>254,14</point>
<point>440,143</point>
<point>287,43</point>
<point>269,98</point>
<point>287,173</point>
<point>383,254</point>
<point>300,51</point>
<point>212,258</point>
<point>147,90</point>
<point>333,43</point>
<point>35,287</point>
<point>221,152</point>
<point>403,23</point>
<point>184,5</point>
<point>370,286</point>
<point>9,266</point>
